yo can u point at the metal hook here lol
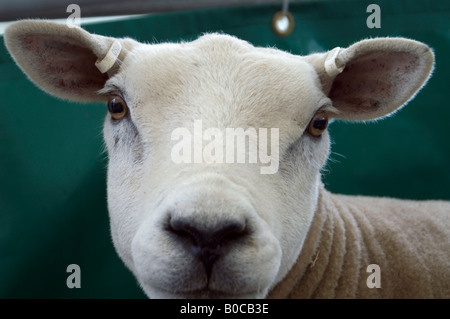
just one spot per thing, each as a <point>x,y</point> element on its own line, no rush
<point>283,21</point>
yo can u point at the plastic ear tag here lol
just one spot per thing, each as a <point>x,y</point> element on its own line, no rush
<point>330,62</point>
<point>110,58</point>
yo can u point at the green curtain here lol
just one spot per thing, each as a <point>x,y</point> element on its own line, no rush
<point>52,165</point>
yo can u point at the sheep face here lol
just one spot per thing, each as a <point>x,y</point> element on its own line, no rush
<point>212,228</point>
<point>188,218</point>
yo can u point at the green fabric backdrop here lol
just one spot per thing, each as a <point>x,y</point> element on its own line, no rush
<point>52,167</point>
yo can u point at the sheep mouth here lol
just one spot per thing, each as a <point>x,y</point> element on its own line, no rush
<point>207,293</point>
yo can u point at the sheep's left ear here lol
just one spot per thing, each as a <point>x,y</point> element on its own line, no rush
<point>373,78</point>
<point>65,61</point>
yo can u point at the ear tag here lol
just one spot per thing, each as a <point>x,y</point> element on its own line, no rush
<point>330,63</point>
<point>110,58</point>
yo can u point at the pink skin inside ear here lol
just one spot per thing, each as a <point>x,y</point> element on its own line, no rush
<point>375,80</point>
<point>64,62</point>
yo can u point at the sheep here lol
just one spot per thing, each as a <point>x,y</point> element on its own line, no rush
<point>221,229</point>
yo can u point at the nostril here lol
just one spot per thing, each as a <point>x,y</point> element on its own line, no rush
<point>230,232</point>
<point>210,237</point>
<point>206,242</point>
<point>183,229</point>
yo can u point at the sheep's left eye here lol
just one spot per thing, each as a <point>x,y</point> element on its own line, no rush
<point>318,125</point>
<point>117,107</point>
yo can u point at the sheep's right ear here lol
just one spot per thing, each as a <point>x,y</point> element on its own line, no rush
<point>67,62</point>
<point>373,78</point>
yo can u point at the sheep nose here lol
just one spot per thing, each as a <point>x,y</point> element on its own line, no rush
<point>207,243</point>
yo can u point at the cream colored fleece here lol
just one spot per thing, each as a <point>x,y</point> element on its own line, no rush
<point>409,240</point>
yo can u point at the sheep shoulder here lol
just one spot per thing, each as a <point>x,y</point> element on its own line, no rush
<point>407,239</point>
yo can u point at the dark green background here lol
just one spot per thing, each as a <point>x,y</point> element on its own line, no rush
<point>52,167</point>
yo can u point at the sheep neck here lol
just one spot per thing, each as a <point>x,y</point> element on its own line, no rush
<point>330,257</point>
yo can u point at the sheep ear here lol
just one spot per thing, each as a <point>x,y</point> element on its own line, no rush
<point>67,62</point>
<point>373,78</point>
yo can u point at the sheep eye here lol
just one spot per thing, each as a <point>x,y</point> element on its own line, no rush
<point>318,125</point>
<point>117,107</point>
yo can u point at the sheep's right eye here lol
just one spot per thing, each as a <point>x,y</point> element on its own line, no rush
<point>117,107</point>
<point>317,125</point>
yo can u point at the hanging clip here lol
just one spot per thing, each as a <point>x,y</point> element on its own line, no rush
<point>330,63</point>
<point>110,58</point>
<point>283,21</point>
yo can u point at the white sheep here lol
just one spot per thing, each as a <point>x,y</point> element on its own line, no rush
<point>220,229</point>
